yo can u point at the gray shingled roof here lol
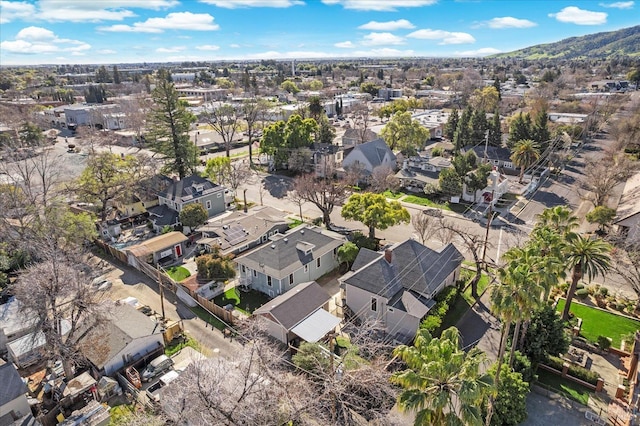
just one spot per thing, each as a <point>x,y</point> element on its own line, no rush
<point>375,151</point>
<point>280,257</point>
<point>413,266</point>
<point>123,324</point>
<point>493,152</point>
<point>12,385</point>
<point>296,304</point>
<point>163,215</point>
<point>185,189</point>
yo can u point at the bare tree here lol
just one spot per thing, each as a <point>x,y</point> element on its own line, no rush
<point>237,174</point>
<point>136,107</point>
<point>225,121</point>
<point>361,121</point>
<point>58,294</point>
<point>254,111</point>
<point>325,194</point>
<point>383,178</point>
<point>298,199</point>
<point>425,226</point>
<point>601,175</point>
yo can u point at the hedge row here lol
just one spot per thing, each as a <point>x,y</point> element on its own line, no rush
<point>444,300</point>
<point>574,370</point>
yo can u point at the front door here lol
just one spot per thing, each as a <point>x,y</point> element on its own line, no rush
<point>178,250</point>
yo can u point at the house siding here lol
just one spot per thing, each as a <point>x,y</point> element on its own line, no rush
<point>328,262</point>
<point>137,349</point>
<point>19,406</point>
<point>359,301</point>
<point>399,322</point>
<point>275,330</point>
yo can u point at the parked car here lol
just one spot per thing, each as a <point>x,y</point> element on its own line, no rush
<point>156,367</point>
<point>153,391</point>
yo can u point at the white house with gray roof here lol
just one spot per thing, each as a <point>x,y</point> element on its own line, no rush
<point>370,155</point>
<point>303,254</point>
<point>397,286</point>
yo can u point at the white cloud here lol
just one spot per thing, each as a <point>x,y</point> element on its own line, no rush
<point>209,47</point>
<point>485,51</point>
<point>385,51</point>
<point>234,46</point>
<point>381,39</point>
<point>345,45</point>
<point>95,10</point>
<point>379,5</point>
<point>508,22</point>
<point>173,21</point>
<point>237,4</point>
<point>107,52</point>
<point>10,10</point>
<point>619,5</point>
<point>575,15</point>
<point>400,24</point>
<point>445,37</point>
<point>38,40</point>
<point>174,49</point>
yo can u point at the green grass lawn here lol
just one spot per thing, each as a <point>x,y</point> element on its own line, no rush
<point>177,344</point>
<point>424,201</point>
<point>596,322</point>
<point>456,311</point>
<point>178,273</point>
<point>245,302</point>
<point>482,285</point>
<point>294,222</point>
<point>566,387</point>
<point>393,195</point>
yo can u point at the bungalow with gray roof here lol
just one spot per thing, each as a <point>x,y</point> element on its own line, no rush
<point>300,314</point>
<point>370,155</point>
<point>13,395</point>
<point>303,254</point>
<point>396,287</point>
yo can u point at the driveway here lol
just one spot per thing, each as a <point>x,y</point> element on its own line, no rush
<point>481,329</point>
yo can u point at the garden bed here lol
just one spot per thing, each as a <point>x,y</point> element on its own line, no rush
<point>564,386</point>
<point>245,302</point>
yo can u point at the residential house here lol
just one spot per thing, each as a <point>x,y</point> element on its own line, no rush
<point>28,349</point>
<point>300,314</point>
<point>353,137</point>
<point>327,159</point>
<point>388,94</point>
<point>191,189</point>
<point>497,156</point>
<point>125,337</point>
<point>627,221</point>
<point>433,120</point>
<point>240,231</point>
<point>14,323</point>
<point>13,395</point>
<point>370,155</point>
<point>304,254</point>
<point>169,246</point>
<point>421,170</point>
<point>143,196</point>
<point>397,286</point>
<point>497,186</point>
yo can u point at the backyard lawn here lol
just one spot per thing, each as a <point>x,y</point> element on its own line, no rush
<point>596,322</point>
<point>424,201</point>
<point>178,273</point>
<point>245,302</point>
<point>207,317</point>
<point>393,195</point>
<point>566,387</point>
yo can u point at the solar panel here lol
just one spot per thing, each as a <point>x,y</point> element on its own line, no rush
<point>235,235</point>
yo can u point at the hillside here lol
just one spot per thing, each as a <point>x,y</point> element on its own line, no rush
<point>624,42</point>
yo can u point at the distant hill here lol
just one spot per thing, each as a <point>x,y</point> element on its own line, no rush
<point>624,42</point>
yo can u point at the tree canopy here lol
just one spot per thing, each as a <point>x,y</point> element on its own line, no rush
<point>193,215</point>
<point>404,133</point>
<point>374,211</point>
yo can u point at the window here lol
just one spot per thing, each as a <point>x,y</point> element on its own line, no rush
<point>255,274</point>
<point>208,204</point>
<point>317,262</point>
<point>290,279</point>
<point>335,251</point>
<point>306,268</point>
<point>374,304</point>
<point>264,238</point>
<point>219,195</point>
<point>269,282</point>
<point>244,269</point>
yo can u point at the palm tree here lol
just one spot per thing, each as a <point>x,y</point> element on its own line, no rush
<point>586,257</point>
<point>525,154</point>
<point>443,384</point>
<point>559,219</point>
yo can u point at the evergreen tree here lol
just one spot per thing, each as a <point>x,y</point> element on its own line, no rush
<point>116,75</point>
<point>463,133</point>
<point>478,127</point>
<point>496,84</point>
<point>102,75</point>
<point>540,129</point>
<point>169,123</point>
<point>452,124</point>
<point>495,130</point>
<point>519,129</point>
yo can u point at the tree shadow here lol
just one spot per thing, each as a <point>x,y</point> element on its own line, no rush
<point>277,186</point>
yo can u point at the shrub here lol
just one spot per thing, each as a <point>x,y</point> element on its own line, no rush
<point>580,286</point>
<point>592,290</point>
<point>604,343</point>
<point>576,371</point>
<point>522,365</point>
<point>603,291</point>
<point>444,299</point>
<point>363,241</point>
<point>582,293</point>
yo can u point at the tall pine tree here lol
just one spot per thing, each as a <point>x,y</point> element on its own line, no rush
<point>452,124</point>
<point>495,130</point>
<point>478,127</point>
<point>519,129</point>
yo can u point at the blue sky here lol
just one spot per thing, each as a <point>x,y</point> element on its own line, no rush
<point>123,31</point>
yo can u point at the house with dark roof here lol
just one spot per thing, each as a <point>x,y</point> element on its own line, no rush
<point>13,395</point>
<point>421,170</point>
<point>303,254</point>
<point>240,231</point>
<point>396,287</point>
<point>124,337</point>
<point>169,246</point>
<point>370,155</point>
<point>353,137</point>
<point>191,189</point>
<point>497,156</point>
<point>300,314</point>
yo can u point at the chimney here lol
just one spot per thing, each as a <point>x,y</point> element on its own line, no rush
<point>388,256</point>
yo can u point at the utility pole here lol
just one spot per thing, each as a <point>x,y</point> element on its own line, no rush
<point>486,235</point>
<point>160,286</point>
<point>245,199</point>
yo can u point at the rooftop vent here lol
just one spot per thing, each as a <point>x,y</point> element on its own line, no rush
<point>302,231</point>
<point>286,240</point>
<point>273,246</point>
